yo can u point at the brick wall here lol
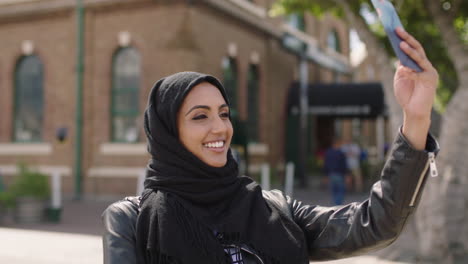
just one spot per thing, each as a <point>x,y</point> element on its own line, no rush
<point>53,40</point>
<point>169,38</point>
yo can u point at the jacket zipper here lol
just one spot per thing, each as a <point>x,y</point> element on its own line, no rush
<point>431,165</point>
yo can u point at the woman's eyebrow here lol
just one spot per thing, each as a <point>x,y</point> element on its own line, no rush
<point>223,105</point>
<point>198,107</point>
<point>204,107</point>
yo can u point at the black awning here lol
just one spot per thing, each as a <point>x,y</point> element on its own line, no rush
<point>346,100</point>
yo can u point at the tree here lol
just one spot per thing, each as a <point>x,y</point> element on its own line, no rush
<point>448,192</point>
<point>442,28</point>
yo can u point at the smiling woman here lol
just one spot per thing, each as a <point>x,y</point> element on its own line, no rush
<point>196,208</point>
<point>204,126</point>
<point>193,189</point>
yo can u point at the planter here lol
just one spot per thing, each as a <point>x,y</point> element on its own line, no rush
<point>29,210</point>
<point>3,212</point>
<point>54,214</point>
<point>6,215</point>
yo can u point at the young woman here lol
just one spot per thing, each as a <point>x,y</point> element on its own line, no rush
<point>196,209</point>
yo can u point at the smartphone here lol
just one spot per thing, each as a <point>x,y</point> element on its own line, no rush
<point>390,21</point>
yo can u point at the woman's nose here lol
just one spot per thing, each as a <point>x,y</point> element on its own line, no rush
<point>219,125</point>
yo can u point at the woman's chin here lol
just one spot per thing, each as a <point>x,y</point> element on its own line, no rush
<point>216,158</point>
<point>217,163</point>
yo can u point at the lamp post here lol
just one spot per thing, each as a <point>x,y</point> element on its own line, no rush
<point>303,107</point>
<point>79,97</point>
<point>307,50</point>
<point>299,48</point>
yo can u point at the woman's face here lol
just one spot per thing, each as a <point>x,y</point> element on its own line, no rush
<point>204,125</point>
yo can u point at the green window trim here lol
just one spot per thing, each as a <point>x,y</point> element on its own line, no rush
<point>333,41</point>
<point>126,75</point>
<point>28,100</point>
<point>230,80</point>
<point>253,107</point>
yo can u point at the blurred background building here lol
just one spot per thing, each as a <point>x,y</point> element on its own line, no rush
<point>89,128</point>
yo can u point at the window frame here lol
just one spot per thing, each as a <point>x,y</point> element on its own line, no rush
<point>232,92</point>
<point>297,21</point>
<point>114,93</point>
<point>253,107</point>
<point>17,102</point>
<point>334,33</point>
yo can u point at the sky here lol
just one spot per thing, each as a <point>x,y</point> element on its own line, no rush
<point>358,48</point>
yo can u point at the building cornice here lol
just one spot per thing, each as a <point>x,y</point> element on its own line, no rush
<point>257,17</point>
<point>33,7</point>
<point>22,8</point>
<point>248,13</point>
<point>241,10</point>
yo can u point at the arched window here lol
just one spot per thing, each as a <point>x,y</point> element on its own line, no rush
<point>333,41</point>
<point>29,100</point>
<point>230,80</point>
<point>296,21</point>
<point>126,71</point>
<point>253,86</point>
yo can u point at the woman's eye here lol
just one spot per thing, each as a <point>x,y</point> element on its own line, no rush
<point>224,115</point>
<point>199,117</point>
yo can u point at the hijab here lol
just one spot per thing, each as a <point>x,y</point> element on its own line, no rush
<point>189,210</point>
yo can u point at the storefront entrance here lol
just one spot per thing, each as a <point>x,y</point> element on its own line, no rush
<point>333,110</point>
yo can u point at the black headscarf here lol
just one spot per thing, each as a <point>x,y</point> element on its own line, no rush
<point>189,209</point>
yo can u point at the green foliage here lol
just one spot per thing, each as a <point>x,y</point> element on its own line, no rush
<point>416,20</point>
<point>420,24</point>
<point>6,199</point>
<point>461,25</point>
<point>30,183</point>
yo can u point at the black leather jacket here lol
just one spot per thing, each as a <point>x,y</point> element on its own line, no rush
<point>331,232</point>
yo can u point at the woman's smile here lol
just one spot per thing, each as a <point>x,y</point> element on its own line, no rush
<point>217,146</point>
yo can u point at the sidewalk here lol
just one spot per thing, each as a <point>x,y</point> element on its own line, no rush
<point>77,238</point>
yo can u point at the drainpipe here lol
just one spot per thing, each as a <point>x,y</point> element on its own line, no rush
<point>303,113</point>
<point>79,97</point>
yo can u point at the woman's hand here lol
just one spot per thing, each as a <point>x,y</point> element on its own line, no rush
<point>415,91</point>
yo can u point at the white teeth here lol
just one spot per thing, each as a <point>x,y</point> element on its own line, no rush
<point>218,144</point>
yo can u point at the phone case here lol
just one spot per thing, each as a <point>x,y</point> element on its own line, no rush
<point>390,21</point>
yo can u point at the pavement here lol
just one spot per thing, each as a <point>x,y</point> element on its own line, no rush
<point>77,237</point>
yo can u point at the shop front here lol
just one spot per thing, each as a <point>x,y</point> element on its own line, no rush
<point>349,111</point>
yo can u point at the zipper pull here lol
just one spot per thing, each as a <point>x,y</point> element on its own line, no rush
<point>432,165</point>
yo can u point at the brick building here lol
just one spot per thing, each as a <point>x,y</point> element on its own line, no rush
<point>128,45</point>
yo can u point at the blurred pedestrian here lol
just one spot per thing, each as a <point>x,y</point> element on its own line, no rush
<point>353,153</point>
<point>336,169</point>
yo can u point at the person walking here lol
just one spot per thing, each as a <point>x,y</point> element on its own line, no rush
<point>336,169</point>
<point>353,154</point>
